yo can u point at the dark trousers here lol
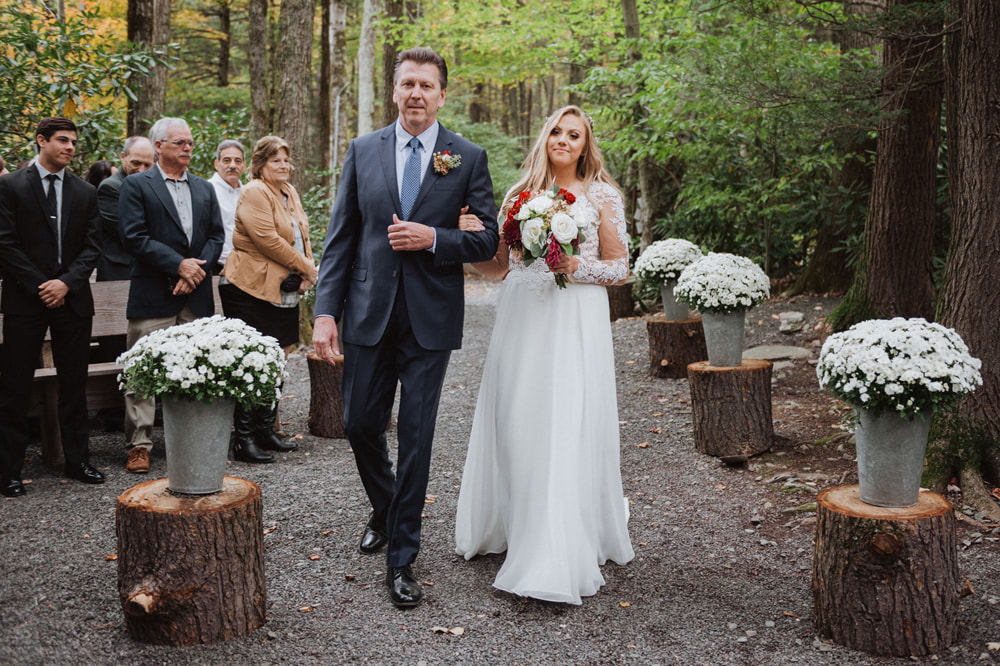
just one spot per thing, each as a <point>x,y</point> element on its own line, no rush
<point>22,342</point>
<point>369,389</point>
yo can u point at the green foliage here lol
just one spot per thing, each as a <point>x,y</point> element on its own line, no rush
<point>65,68</point>
<point>505,153</point>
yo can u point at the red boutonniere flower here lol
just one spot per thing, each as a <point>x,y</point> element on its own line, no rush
<point>445,162</point>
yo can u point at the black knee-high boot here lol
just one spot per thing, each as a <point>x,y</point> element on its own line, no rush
<point>264,430</point>
<point>245,448</point>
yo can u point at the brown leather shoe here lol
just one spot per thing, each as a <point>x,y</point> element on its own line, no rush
<point>138,460</point>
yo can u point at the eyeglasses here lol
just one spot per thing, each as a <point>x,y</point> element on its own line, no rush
<point>182,142</point>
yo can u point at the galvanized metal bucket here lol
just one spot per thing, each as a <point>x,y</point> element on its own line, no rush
<point>197,439</point>
<point>891,457</point>
<point>673,309</point>
<point>724,337</point>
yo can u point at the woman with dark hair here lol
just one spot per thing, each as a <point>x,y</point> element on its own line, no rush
<point>270,266</point>
<point>542,479</point>
<point>98,171</point>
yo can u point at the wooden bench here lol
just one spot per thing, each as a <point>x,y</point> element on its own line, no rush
<point>110,301</point>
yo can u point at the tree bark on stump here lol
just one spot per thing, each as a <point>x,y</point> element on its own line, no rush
<point>620,300</point>
<point>326,405</point>
<point>886,581</point>
<point>731,408</point>
<point>191,569</point>
<point>673,345</point>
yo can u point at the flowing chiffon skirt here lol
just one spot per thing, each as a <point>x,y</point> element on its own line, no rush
<point>542,478</point>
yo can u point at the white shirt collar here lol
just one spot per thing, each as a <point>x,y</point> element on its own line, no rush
<point>220,181</point>
<point>428,138</point>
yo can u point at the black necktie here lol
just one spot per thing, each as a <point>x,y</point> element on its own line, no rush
<point>53,202</point>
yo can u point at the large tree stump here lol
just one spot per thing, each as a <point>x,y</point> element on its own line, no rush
<point>191,569</point>
<point>673,345</point>
<point>326,405</point>
<point>731,408</point>
<point>886,581</point>
<point>620,300</point>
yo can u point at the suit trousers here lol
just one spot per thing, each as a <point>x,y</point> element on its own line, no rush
<point>368,390</point>
<point>140,413</point>
<point>23,336</point>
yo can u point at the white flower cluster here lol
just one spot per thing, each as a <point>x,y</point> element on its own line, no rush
<point>546,213</point>
<point>664,260</point>
<point>905,365</point>
<point>723,282</point>
<point>212,357</point>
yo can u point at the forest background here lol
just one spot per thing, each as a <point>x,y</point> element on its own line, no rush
<point>848,146</point>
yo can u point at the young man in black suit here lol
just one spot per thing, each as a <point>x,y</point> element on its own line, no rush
<point>392,271</point>
<point>49,230</point>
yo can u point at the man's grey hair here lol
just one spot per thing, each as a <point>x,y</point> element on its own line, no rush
<point>229,143</point>
<point>158,132</point>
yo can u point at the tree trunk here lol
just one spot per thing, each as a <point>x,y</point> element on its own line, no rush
<point>674,345</point>
<point>148,27</point>
<point>390,49</point>
<point>731,408</point>
<point>620,301</point>
<point>366,69</point>
<point>332,84</point>
<point>191,569</point>
<point>225,32</point>
<point>260,90</point>
<point>970,301</point>
<point>326,405</point>
<point>293,63</point>
<point>886,581</point>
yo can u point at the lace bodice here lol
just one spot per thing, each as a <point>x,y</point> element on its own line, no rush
<point>600,263</point>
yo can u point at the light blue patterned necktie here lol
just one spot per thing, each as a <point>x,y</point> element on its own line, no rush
<point>411,179</point>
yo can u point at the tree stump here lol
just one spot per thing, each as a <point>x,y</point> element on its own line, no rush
<point>620,300</point>
<point>673,345</point>
<point>731,408</point>
<point>886,581</point>
<point>191,569</point>
<point>326,405</point>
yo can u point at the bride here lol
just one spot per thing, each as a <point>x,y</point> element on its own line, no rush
<point>542,479</point>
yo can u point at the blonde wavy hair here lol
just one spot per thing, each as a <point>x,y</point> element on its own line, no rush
<point>537,172</point>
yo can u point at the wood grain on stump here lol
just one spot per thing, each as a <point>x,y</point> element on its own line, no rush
<point>620,300</point>
<point>731,408</point>
<point>886,581</point>
<point>191,569</point>
<point>326,405</point>
<point>673,345</point>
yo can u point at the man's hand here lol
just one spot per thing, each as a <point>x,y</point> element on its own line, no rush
<point>325,338</point>
<point>191,271</point>
<point>410,236</point>
<point>183,288</point>
<point>53,293</point>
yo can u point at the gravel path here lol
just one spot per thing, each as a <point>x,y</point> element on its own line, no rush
<point>706,587</point>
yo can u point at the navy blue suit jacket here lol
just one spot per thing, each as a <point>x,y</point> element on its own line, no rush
<point>28,250</point>
<point>360,273</point>
<point>151,232</point>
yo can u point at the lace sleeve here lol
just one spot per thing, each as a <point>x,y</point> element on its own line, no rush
<point>609,263</point>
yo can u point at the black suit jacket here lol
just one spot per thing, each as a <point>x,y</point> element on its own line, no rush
<point>360,273</point>
<point>114,263</point>
<point>28,248</point>
<point>151,232</point>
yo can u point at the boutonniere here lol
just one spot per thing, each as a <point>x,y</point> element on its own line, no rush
<point>445,162</point>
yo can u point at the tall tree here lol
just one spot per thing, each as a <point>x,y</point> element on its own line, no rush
<point>366,69</point>
<point>970,301</point>
<point>332,84</point>
<point>895,274</point>
<point>260,89</point>
<point>293,64</point>
<point>225,42</point>
<point>390,49</point>
<point>149,28</point>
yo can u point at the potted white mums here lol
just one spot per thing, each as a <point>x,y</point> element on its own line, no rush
<point>201,370</point>
<point>894,373</point>
<point>661,263</point>
<point>723,287</point>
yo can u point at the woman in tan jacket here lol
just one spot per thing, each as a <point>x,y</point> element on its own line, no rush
<point>270,266</point>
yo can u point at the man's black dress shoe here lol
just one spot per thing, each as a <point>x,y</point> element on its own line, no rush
<point>404,590</point>
<point>375,536</point>
<point>12,488</point>
<point>84,472</point>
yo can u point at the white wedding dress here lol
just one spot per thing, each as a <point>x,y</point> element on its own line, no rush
<point>542,478</point>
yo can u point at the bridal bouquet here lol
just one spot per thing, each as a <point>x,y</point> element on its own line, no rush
<point>723,283</point>
<point>902,365</point>
<point>212,357</point>
<point>664,260</point>
<point>546,225</point>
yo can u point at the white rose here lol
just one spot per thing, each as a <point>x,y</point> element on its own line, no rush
<point>540,204</point>
<point>563,227</point>
<point>522,214</point>
<point>533,232</point>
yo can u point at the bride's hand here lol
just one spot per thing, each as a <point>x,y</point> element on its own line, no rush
<point>567,265</point>
<point>467,222</point>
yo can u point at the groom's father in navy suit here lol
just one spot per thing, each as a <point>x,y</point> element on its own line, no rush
<point>170,223</point>
<point>392,275</point>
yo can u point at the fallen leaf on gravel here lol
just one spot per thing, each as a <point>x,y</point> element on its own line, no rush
<point>996,493</point>
<point>314,556</point>
<point>642,445</point>
<point>457,631</point>
<point>427,582</point>
<point>325,532</point>
<point>624,604</point>
<point>993,647</point>
<point>720,486</point>
<point>658,431</point>
<point>111,557</point>
<point>787,614</point>
<point>270,529</point>
<point>306,609</point>
<point>349,576</point>
<point>86,536</point>
<point>430,499</point>
<point>642,543</point>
